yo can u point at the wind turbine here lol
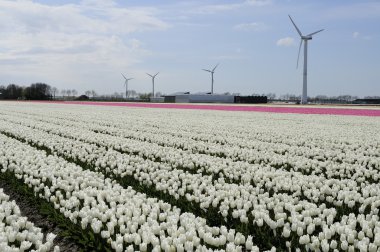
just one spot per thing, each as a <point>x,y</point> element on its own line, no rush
<point>153,77</point>
<point>126,85</point>
<point>212,77</point>
<point>304,38</point>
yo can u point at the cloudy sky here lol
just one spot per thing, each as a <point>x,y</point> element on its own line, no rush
<point>86,44</point>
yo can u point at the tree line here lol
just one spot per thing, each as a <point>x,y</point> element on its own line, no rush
<point>43,91</point>
<point>36,91</point>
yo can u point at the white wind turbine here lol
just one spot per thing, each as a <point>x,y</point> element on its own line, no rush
<point>304,39</point>
<point>212,77</point>
<point>126,85</point>
<point>153,77</point>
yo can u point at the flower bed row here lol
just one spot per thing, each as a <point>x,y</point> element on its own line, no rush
<point>19,234</point>
<point>366,169</point>
<point>259,176</point>
<point>123,218</point>
<point>283,136</point>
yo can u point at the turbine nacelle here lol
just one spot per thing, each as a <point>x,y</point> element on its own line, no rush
<point>152,76</point>
<point>306,37</point>
<point>211,71</point>
<point>126,79</point>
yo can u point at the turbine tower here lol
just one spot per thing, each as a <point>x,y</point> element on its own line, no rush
<point>153,77</point>
<point>126,85</point>
<point>212,77</point>
<point>304,38</point>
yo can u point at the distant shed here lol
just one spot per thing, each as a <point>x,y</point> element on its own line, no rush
<point>366,101</point>
<point>199,98</point>
<point>251,99</point>
<point>212,98</point>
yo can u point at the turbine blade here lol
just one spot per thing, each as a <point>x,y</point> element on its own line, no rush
<point>130,79</point>
<point>124,76</point>
<point>215,67</point>
<point>156,74</point>
<point>206,70</point>
<point>295,26</point>
<point>311,34</point>
<point>150,75</point>
<point>299,51</point>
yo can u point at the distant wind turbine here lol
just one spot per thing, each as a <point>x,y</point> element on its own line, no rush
<point>304,39</point>
<point>212,77</point>
<point>126,85</point>
<point>153,77</point>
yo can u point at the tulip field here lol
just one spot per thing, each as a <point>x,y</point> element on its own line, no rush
<point>116,178</point>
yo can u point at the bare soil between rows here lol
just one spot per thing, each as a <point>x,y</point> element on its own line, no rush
<point>33,214</point>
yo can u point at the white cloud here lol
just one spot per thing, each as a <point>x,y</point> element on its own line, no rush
<point>258,2</point>
<point>355,10</point>
<point>229,57</point>
<point>135,44</point>
<point>99,3</point>
<point>357,35</point>
<point>211,9</point>
<point>288,41</point>
<point>214,8</point>
<point>28,16</point>
<point>65,44</point>
<point>250,27</point>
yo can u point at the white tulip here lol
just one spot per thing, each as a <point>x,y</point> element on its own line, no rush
<point>344,245</point>
<point>304,239</point>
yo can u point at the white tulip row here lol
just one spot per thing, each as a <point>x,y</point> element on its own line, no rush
<point>123,217</point>
<point>19,234</point>
<point>289,139</point>
<point>284,140</point>
<point>337,192</point>
<point>235,148</point>
<point>210,164</point>
<point>213,165</point>
<point>260,202</point>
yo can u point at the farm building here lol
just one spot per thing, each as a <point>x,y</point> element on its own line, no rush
<point>186,97</point>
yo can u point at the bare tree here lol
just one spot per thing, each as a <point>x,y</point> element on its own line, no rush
<point>63,92</point>
<point>158,94</point>
<point>54,91</point>
<point>117,95</point>
<point>68,92</point>
<point>271,96</point>
<point>74,92</point>
<point>93,93</point>
<point>132,93</point>
<point>88,93</point>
